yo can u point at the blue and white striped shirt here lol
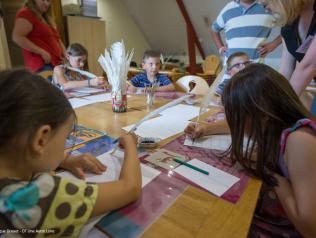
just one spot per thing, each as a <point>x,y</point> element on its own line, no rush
<point>141,80</point>
<point>246,29</point>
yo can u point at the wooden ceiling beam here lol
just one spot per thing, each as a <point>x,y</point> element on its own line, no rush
<point>191,31</point>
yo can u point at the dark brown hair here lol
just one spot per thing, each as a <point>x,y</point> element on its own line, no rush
<point>150,54</point>
<point>259,104</point>
<point>28,101</point>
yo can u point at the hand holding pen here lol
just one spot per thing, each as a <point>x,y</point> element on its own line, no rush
<point>195,130</point>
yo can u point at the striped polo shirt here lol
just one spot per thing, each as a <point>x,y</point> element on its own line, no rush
<point>245,28</point>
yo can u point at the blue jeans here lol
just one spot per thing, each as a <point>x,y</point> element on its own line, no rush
<point>49,68</point>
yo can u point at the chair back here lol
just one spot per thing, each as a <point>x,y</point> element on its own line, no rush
<point>211,64</point>
<point>193,84</point>
<point>46,74</point>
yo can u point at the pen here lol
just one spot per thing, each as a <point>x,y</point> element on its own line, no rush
<point>191,166</point>
<point>196,124</point>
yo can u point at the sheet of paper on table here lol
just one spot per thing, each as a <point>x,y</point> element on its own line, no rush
<point>187,112</point>
<point>83,101</point>
<point>99,97</point>
<point>213,142</point>
<point>88,90</point>
<point>217,182</point>
<point>78,102</point>
<point>112,173</point>
<point>114,165</point>
<point>160,127</point>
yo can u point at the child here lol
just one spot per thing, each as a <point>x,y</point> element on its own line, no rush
<point>65,78</point>
<point>151,65</point>
<point>35,120</point>
<point>262,109</point>
<point>235,62</point>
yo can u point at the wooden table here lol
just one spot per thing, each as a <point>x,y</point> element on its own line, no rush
<point>195,213</point>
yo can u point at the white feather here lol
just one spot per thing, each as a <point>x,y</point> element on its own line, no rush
<point>116,65</point>
<point>83,72</point>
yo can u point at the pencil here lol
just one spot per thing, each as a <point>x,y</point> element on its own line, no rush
<point>191,166</point>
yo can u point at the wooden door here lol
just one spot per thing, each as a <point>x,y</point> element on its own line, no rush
<point>90,32</point>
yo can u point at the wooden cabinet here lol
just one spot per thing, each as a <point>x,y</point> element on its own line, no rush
<point>5,62</point>
<point>90,32</point>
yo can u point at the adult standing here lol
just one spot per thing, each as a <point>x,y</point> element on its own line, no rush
<point>35,32</point>
<point>298,18</point>
<point>247,26</point>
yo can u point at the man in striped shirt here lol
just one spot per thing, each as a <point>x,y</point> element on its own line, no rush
<point>247,26</point>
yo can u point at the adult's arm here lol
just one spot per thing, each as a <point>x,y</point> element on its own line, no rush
<point>305,70</point>
<point>218,41</point>
<point>21,29</point>
<point>287,64</point>
<point>269,47</point>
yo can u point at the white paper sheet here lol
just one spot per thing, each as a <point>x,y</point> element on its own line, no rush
<point>186,112</point>
<point>112,173</point>
<point>78,94</point>
<point>217,182</point>
<point>213,142</point>
<point>160,127</point>
<point>88,90</point>
<point>148,174</point>
<point>99,97</point>
<point>78,102</point>
<point>114,165</point>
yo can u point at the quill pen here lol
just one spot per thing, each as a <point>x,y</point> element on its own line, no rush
<point>83,72</point>
<point>155,113</point>
<point>158,110</point>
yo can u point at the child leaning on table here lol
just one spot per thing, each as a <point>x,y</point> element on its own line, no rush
<point>151,65</point>
<point>235,62</point>
<point>65,78</point>
<point>263,110</point>
<point>35,120</point>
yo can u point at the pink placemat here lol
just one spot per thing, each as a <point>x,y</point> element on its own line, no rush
<point>211,157</point>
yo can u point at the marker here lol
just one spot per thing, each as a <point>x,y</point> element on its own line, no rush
<point>191,166</point>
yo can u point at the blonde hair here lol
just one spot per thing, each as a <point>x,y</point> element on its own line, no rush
<point>288,10</point>
<point>48,16</point>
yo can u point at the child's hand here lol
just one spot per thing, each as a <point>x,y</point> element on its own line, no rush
<point>131,88</point>
<point>195,130</point>
<point>97,81</point>
<point>128,140</point>
<point>83,163</point>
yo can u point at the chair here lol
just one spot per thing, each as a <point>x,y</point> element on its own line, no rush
<point>211,67</point>
<point>193,84</point>
<point>46,74</point>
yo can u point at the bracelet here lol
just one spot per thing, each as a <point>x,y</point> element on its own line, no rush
<point>89,85</point>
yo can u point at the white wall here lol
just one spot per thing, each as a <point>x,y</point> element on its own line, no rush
<point>121,25</point>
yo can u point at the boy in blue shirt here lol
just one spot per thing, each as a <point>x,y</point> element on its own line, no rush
<point>151,65</point>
